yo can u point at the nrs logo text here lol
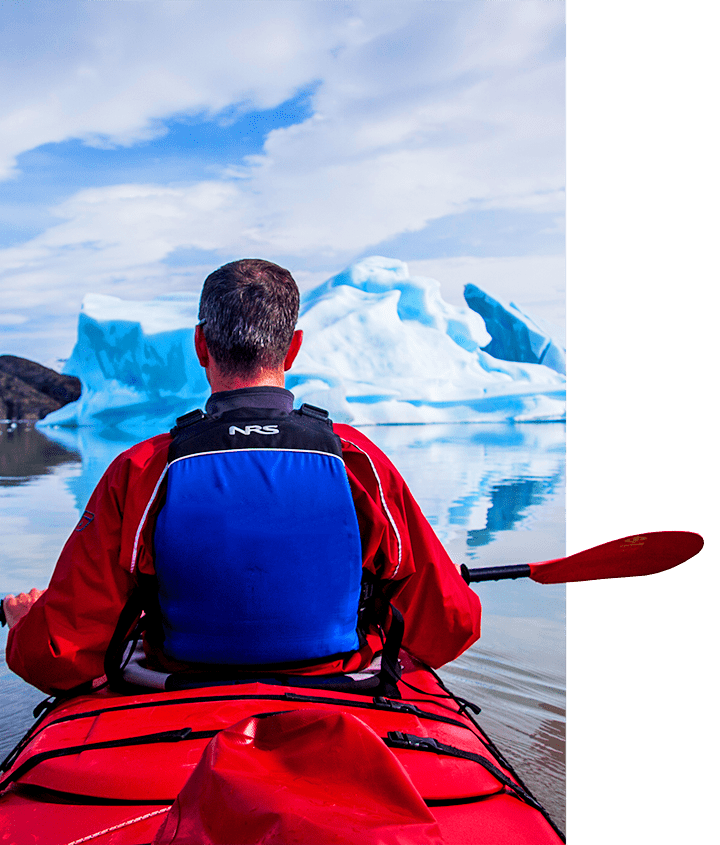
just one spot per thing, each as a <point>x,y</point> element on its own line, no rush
<point>255,429</point>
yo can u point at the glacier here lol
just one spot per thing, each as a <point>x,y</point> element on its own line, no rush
<point>380,347</point>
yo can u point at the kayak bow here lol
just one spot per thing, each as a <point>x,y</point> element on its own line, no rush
<point>265,760</point>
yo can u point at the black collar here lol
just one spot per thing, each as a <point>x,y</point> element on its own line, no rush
<point>268,398</point>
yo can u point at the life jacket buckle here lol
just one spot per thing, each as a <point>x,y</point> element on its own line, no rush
<point>188,419</point>
<point>314,412</point>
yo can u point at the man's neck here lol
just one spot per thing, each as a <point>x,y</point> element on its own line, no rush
<point>220,381</point>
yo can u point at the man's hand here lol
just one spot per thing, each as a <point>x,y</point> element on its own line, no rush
<point>16,607</point>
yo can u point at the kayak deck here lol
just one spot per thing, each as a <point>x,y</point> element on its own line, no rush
<point>107,768</point>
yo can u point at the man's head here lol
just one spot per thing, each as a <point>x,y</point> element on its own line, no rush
<point>248,311</point>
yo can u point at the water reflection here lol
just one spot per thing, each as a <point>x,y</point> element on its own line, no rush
<point>496,495</point>
<point>476,483</point>
<point>493,493</point>
<point>516,673</point>
<point>25,453</point>
<point>510,502</point>
<point>98,447</point>
<point>479,485</point>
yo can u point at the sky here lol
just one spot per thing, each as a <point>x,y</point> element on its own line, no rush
<point>144,144</point>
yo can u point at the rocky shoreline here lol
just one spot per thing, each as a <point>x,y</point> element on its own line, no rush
<point>30,391</point>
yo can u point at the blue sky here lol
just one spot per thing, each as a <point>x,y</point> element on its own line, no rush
<point>144,143</point>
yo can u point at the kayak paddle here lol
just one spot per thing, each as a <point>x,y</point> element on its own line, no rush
<point>641,554</point>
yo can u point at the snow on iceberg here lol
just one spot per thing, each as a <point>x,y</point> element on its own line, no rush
<point>380,346</point>
<point>383,347</point>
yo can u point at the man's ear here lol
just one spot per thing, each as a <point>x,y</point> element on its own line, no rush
<point>295,345</point>
<point>201,349</point>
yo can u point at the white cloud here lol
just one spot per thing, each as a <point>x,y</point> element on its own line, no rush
<point>398,140</point>
<point>109,72</point>
<point>12,319</point>
<point>421,111</point>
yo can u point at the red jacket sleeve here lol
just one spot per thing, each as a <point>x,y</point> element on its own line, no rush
<point>62,641</point>
<point>442,614</point>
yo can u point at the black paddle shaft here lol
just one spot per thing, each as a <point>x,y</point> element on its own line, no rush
<point>495,573</point>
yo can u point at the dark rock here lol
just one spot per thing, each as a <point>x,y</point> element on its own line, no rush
<point>29,391</point>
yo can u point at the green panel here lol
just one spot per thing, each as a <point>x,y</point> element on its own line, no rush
<point>643,306</point>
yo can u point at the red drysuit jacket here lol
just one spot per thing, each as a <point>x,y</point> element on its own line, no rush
<point>62,641</point>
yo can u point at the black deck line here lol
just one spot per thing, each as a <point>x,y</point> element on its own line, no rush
<point>46,795</point>
<point>290,696</point>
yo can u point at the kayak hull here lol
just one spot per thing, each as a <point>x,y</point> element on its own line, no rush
<point>270,762</point>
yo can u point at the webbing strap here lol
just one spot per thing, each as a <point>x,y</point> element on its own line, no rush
<point>188,419</point>
<point>314,412</point>
<point>128,619</point>
<point>378,703</point>
<point>179,735</point>
<point>398,739</point>
<point>39,713</point>
<point>390,656</point>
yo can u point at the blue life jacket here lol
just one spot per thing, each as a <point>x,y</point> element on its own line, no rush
<point>257,546</point>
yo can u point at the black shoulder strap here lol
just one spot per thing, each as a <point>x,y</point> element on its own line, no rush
<point>314,412</point>
<point>195,416</point>
<point>188,419</point>
<point>390,669</point>
<point>131,623</point>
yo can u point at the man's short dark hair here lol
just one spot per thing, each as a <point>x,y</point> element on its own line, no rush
<point>249,310</point>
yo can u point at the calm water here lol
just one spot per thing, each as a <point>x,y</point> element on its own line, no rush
<point>494,495</point>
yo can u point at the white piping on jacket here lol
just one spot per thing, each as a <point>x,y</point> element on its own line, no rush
<point>384,503</point>
<point>252,449</point>
<point>133,559</point>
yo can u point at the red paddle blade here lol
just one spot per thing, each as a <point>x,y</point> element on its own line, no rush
<point>641,554</point>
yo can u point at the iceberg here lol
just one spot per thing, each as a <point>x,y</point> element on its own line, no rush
<point>381,347</point>
<point>136,362</point>
<point>515,337</point>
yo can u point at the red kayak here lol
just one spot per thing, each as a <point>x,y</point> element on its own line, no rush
<point>269,760</point>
